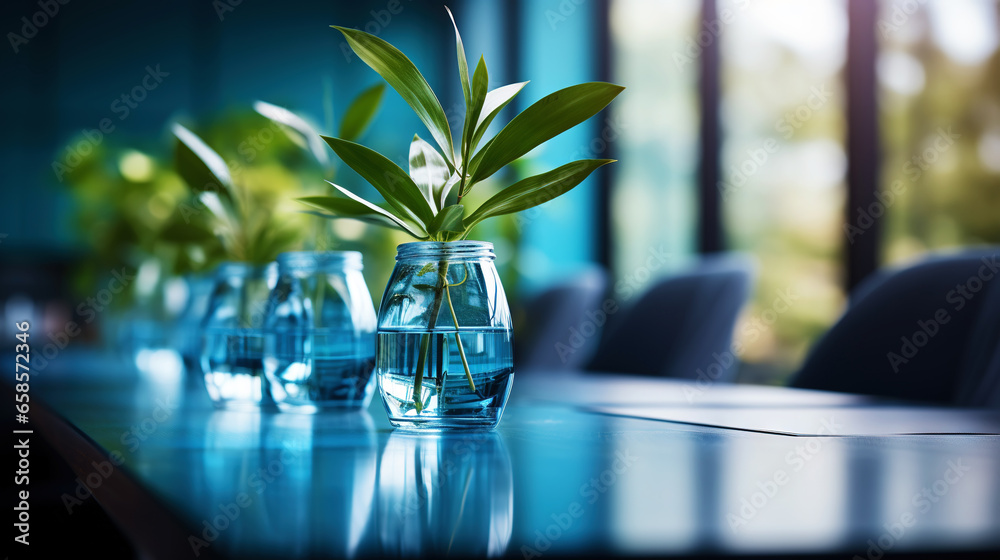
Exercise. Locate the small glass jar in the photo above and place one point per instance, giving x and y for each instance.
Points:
(188, 334)
(158, 301)
(444, 352)
(320, 344)
(232, 352)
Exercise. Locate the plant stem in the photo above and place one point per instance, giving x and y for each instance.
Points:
(442, 285)
(425, 339)
(458, 339)
(461, 508)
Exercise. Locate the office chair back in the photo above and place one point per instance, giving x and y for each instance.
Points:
(928, 332)
(682, 326)
(550, 337)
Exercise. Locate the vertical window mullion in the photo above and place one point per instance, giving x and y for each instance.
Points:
(863, 148)
(710, 138)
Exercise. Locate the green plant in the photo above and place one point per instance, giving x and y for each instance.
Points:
(128, 211)
(357, 117)
(300, 131)
(241, 211)
(426, 201)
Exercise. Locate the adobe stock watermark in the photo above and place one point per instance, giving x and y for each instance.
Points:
(35, 22)
(87, 310)
(913, 169)
(921, 503)
(122, 107)
(132, 439)
(381, 18)
(926, 329)
(900, 16)
(795, 460)
(594, 319)
(223, 7)
(707, 34)
(562, 13)
(758, 155)
(254, 485)
(591, 491)
(751, 331)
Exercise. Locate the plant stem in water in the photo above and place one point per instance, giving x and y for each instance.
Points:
(458, 339)
(425, 339)
(442, 285)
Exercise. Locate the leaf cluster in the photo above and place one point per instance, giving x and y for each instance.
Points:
(425, 200)
(240, 211)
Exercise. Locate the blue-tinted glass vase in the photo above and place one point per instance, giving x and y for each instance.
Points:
(232, 351)
(444, 352)
(320, 342)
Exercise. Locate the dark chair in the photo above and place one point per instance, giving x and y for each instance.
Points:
(979, 383)
(929, 332)
(546, 340)
(682, 325)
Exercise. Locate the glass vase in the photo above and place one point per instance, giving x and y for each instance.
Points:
(232, 352)
(444, 351)
(158, 301)
(320, 341)
(188, 333)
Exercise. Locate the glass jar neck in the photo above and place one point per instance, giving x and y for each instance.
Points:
(445, 251)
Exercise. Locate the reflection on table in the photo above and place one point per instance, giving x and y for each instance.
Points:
(445, 494)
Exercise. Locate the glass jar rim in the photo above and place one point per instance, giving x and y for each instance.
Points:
(451, 250)
(322, 260)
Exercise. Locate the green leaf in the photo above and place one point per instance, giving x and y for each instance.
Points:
(426, 268)
(360, 209)
(388, 179)
(214, 203)
(360, 112)
(480, 85)
(295, 127)
(428, 170)
(495, 101)
(446, 189)
(200, 166)
(336, 207)
(271, 240)
(182, 229)
(536, 190)
(463, 64)
(548, 117)
(373, 219)
(404, 77)
(448, 219)
(226, 226)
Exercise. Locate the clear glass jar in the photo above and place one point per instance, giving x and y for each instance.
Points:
(320, 342)
(158, 301)
(444, 353)
(232, 352)
(188, 334)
